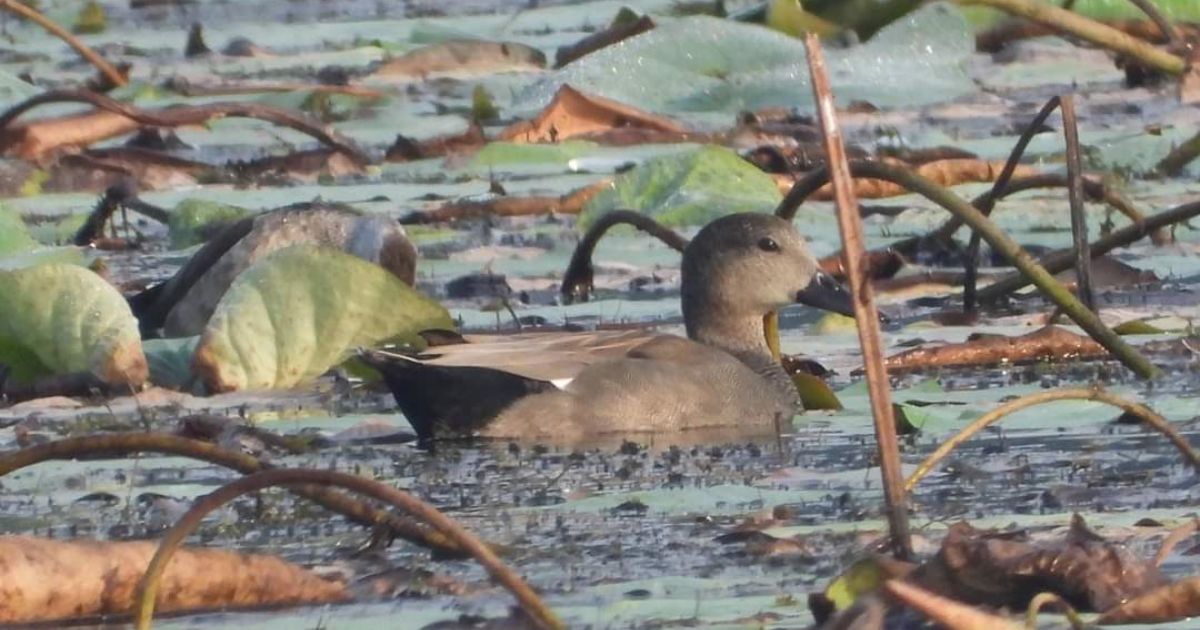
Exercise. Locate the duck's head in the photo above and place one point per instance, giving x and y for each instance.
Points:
(744, 266)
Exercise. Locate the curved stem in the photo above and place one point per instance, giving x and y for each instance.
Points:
(1143, 412)
(1002, 243)
(1170, 33)
(144, 601)
(577, 279)
(1089, 30)
(164, 443)
(105, 68)
(1041, 600)
(193, 115)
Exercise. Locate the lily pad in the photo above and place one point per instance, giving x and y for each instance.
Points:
(691, 188)
(704, 64)
(14, 235)
(61, 319)
(300, 311)
(194, 221)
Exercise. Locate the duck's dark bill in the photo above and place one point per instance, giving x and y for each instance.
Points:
(828, 294)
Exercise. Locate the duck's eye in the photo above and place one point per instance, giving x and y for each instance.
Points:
(768, 244)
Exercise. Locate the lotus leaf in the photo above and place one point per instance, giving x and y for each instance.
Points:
(704, 64)
(300, 311)
(14, 235)
(60, 319)
(690, 188)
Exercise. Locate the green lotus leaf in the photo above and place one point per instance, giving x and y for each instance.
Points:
(14, 235)
(61, 319)
(690, 188)
(300, 311)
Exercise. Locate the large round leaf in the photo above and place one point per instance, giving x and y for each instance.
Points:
(299, 311)
(59, 319)
(691, 188)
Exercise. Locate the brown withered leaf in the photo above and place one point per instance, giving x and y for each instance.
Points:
(572, 113)
(1048, 343)
(404, 149)
(944, 173)
(1172, 602)
(570, 203)
(1086, 570)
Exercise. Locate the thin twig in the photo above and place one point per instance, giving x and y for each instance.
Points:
(1061, 260)
(1179, 157)
(1172, 35)
(987, 201)
(1079, 231)
(866, 314)
(144, 601)
(1089, 30)
(1028, 268)
(1142, 412)
(105, 68)
(165, 443)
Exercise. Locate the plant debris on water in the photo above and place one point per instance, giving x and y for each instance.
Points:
(207, 209)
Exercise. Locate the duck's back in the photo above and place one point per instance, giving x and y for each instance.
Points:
(666, 384)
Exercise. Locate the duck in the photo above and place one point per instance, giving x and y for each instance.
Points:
(722, 376)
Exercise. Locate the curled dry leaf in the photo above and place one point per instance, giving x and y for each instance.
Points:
(995, 569)
(48, 580)
(1044, 344)
(572, 113)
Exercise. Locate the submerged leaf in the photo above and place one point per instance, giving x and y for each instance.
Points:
(691, 188)
(299, 312)
(61, 319)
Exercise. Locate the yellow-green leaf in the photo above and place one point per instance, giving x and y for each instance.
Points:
(300, 311)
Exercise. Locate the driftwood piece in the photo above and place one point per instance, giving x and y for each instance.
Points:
(48, 580)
